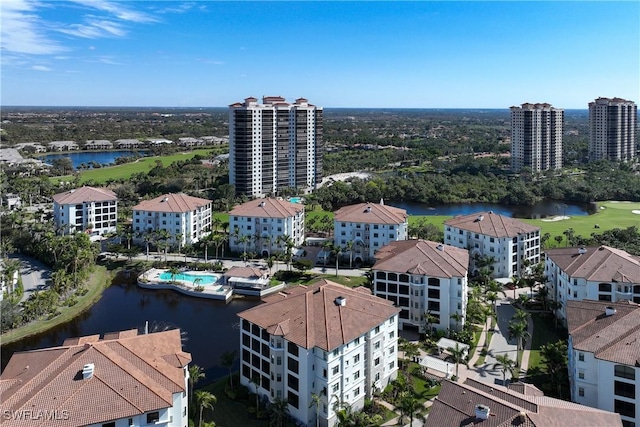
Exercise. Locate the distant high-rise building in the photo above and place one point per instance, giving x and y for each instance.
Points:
(274, 145)
(612, 129)
(536, 137)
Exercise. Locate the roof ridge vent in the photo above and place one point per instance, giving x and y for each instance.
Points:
(479, 218)
(610, 311)
(341, 301)
(262, 204)
(582, 250)
(440, 247)
(165, 199)
(87, 371)
(368, 209)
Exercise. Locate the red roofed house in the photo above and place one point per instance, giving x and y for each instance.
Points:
(604, 356)
(186, 218)
(487, 234)
(124, 379)
(86, 209)
(420, 276)
(370, 226)
(326, 339)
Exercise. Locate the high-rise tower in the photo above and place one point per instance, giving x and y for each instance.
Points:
(274, 145)
(612, 129)
(536, 137)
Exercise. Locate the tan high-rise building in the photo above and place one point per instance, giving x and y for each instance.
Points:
(274, 145)
(536, 137)
(612, 129)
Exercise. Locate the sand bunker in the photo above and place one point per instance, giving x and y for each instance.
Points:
(635, 211)
(556, 218)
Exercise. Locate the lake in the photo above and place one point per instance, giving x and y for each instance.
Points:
(104, 158)
(541, 209)
(210, 327)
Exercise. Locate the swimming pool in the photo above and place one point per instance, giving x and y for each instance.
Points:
(206, 279)
(296, 199)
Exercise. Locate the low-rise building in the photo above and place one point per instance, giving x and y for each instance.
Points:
(86, 209)
(129, 143)
(261, 225)
(370, 226)
(599, 273)
(63, 146)
(491, 405)
(511, 243)
(185, 219)
(98, 144)
(31, 146)
(423, 277)
(604, 357)
(11, 201)
(325, 339)
(124, 379)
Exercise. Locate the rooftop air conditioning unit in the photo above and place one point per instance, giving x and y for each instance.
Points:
(482, 412)
(87, 371)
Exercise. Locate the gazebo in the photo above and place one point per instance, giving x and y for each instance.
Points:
(445, 343)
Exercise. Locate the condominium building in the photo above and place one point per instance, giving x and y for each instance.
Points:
(536, 137)
(335, 342)
(370, 226)
(262, 225)
(422, 277)
(509, 242)
(185, 219)
(86, 209)
(124, 379)
(594, 273)
(604, 357)
(274, 145)
(612, 129)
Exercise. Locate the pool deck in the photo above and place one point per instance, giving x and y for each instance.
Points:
(150, 279)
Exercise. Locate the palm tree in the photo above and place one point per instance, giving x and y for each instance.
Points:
(205, 400)
(518, 330)
(197, 281)
(337, 251)
(270, 262)
(492, 297)
(326, 247)
(554, 356)
(349, 247)
(316, 400)
(410, 406)
(457, 317)
(278, 412)
(428, 320)
(458, 355)
(174, 271)
(228, 357)
(218, 240)
(411, 351)
(506, 364)
(520, 316)
(244, 240)
(257, 382)
(196, 373)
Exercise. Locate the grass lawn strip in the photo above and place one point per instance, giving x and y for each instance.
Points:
(227, 412)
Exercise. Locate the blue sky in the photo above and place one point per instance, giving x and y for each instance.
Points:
(337, 54)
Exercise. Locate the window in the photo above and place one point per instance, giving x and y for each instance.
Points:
(111, 424)
(623, 371)
(392, 365)
(581, 357)
(392, 334)
(604, 287)
(376, 362)
(356, 358)
(376, 345)
(153, 417)
(625, 409)
(279, 360)
(628, 423)
(377, 330)
(581, 391)
(324, 373)
(581, 375)
(624, 389)
(335, 387)
(356, 375)
(377, 377)
(335, 370)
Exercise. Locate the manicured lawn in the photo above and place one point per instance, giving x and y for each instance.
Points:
(125, 171)
(227, 412)
(544, 332)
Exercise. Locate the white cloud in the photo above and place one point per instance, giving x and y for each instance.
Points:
(210, 61)
(117, 10)
(180, 8)
(22, 31)
(94, 29)
(40, 68)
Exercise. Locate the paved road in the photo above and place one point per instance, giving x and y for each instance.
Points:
(35, 275)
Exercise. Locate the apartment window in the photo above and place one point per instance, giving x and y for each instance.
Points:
(626, 409)
(376, 345)
(335, 387)
(392, 334)
(279, 360)
(356, 375)
(356, 392)
(581, 375)
(604, 287)
(356, 358)
(377, 330)
(335, 370)
(623, 371)
(153, 417)
(624, 389)
(628, 423)
(581, 391)
(377, 377)
(392, 365)
(111, 424)
(376, 362)
(336, 352)
(324, 373)
(581, 357)
(357, 341)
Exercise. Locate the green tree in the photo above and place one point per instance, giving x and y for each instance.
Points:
(554, 357)
(227, 358)
(506, 364)
(518, 330)
(458, 355)
(278, 412)
(205, 400)
(316, 401)
(196, 373)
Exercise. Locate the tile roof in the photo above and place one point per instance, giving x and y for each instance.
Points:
(246, 272)
(133, 374)
(615, 338)
(178, 203)
(491, 224)
(310, 317)
(267, 208)
(423, 257)
(371, 213)
(84, 194)
(456, 403)
(597, 264)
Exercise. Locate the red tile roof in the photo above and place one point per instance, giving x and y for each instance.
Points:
(310, 316)
(491, 224)
(267, 208)
(371, 213)
(615, 338)
(132, 375)
(176, 203)
(424, 258)
(84, 194)
(597, 264)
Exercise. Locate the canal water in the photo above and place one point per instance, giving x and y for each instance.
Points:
(210, 327)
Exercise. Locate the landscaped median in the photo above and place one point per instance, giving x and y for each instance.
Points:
(99, 280)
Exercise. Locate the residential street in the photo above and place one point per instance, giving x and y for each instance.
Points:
(34, 275)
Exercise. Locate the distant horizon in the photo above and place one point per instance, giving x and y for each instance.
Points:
(345, 54)
(226, 107)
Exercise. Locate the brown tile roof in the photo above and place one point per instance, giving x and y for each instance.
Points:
(423, 257)
(371, 213)
(246, 272)
(492, 224)
(601, 264)
(177, 203)
(267, 208)
(456, 403)
(615, 338)
(133, 375)
(84, 194)
(310, 317)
